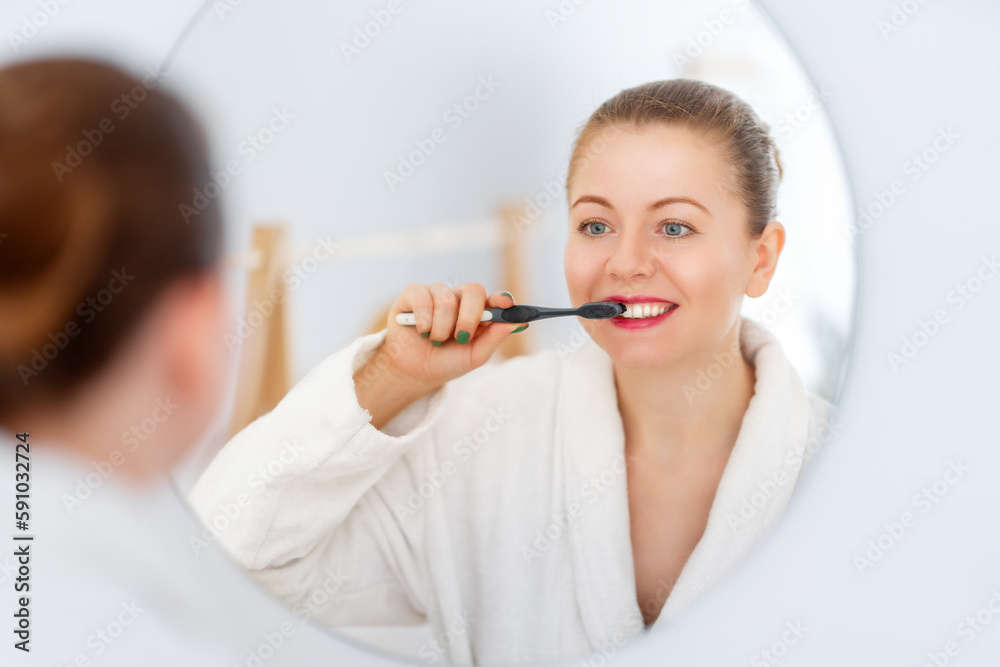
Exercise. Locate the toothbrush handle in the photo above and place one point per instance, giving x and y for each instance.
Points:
(545, 313)
(409, 320)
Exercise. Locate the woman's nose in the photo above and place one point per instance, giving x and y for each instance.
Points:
(631, 256)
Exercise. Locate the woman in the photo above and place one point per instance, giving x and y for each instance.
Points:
(551, 505)
(112, 364)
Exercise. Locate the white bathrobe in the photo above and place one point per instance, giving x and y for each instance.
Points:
(114, 580)
(495, 508)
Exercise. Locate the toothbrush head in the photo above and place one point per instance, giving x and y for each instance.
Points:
(600, 310)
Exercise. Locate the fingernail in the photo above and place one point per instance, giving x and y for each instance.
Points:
(426, 334)
(462, 337)
(508, 294)
(436, 342)
(521, 328)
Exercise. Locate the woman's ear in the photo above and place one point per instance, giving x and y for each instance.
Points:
(195, 357)
(766, 248)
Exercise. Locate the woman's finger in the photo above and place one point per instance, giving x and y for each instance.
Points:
(445, 311)
(472, 297)
(416, 299)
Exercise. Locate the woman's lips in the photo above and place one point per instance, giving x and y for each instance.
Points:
(642, 305)
(643, 322)
(638, 298)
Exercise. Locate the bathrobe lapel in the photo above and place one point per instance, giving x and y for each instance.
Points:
(760, 475)
(591, 443)
(750, 497)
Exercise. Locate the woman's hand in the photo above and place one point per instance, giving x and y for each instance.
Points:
(448, 341)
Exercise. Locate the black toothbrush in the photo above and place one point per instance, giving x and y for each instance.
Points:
(597, 310)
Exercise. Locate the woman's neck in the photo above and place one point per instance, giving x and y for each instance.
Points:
(694, 406)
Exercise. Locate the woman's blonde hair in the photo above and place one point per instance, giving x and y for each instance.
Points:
(714, 111)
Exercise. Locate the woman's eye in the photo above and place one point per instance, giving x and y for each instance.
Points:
(596, 228)
(675, 228)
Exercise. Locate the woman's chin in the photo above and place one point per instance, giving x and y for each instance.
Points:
(637, 355)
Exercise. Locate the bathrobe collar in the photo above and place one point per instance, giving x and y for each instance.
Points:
(591, 438)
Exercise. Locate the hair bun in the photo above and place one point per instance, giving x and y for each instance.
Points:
(54, 235)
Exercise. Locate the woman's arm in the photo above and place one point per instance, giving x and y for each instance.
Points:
(303, 497)
(383, 393)
(323, 481)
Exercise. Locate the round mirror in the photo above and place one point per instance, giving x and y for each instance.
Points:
(362, 149)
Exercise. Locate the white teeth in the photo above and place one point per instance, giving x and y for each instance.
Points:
(642, 311)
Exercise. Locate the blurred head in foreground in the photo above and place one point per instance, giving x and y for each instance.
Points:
(111, 300)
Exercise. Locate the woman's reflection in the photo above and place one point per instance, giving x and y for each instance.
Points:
(552, 505)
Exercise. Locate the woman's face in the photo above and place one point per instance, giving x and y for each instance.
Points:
(651, 220)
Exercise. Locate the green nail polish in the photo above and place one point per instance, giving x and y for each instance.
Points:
(521, 328)
(435, 342)
(426, 334)
(508, 294)
(463, 337)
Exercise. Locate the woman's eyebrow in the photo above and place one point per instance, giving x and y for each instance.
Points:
(677, 200)
(594, 199)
